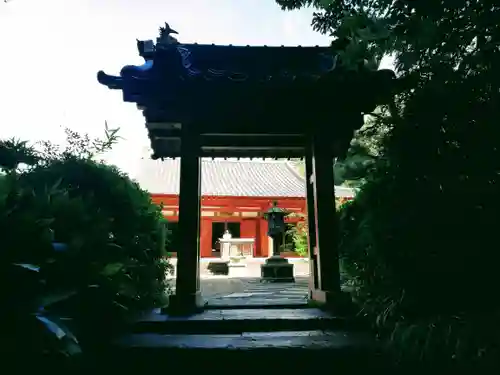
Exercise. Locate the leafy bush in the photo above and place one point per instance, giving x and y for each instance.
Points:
(424, 269)
(27, 325)
(300, 242)
(112, 229)
(299, 236)
(114, 262)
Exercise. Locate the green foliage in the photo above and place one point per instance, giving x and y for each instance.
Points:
(110, 221)
(418, 241)
(364, 152)
(80, 146)
(113, 263)
(14, 153)
(298, 233)
(300, 242)
(27, 324)
(422, 274)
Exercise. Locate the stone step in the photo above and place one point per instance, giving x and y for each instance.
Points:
(262, 352)
(309, 340)
(237, 321)
(239, 304)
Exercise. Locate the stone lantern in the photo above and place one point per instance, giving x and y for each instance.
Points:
(276, 268)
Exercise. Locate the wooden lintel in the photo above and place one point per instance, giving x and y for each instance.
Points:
(286, 153)
(242, 204)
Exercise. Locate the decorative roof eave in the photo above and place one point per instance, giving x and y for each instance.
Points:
(181, 62)
(278, 70)
(194, 63)
(133, 77)
(112, 82)
(131, 80)
(137, 71)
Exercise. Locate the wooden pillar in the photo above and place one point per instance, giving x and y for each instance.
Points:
(247, 228)
(311, 220)
(258, 239)
(206, 238)
(264, 239)
(326, 221)
(187, 298)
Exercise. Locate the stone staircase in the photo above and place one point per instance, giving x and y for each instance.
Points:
(241, 340)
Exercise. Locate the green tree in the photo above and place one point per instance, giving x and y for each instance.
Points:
(364, 152)
(419, 235)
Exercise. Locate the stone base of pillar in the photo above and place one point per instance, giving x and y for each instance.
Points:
(339, 303)
(277, 269)
(185, 304)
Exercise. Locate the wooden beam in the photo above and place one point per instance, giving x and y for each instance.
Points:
(262, 202)
(235, 122)
(252, 141)
(165, 151)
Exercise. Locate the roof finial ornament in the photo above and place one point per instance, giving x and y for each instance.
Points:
(165, 38)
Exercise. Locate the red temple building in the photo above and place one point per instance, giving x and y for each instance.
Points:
(235, 195)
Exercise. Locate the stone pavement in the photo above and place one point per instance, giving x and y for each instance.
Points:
(256, 293)
(242, 287)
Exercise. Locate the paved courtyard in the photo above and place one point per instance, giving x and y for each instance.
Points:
(242, 287)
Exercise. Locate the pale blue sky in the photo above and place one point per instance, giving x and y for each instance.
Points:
(52, 50)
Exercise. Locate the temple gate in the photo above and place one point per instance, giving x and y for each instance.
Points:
(250, 101)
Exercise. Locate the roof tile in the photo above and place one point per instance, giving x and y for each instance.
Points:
(238, 178)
